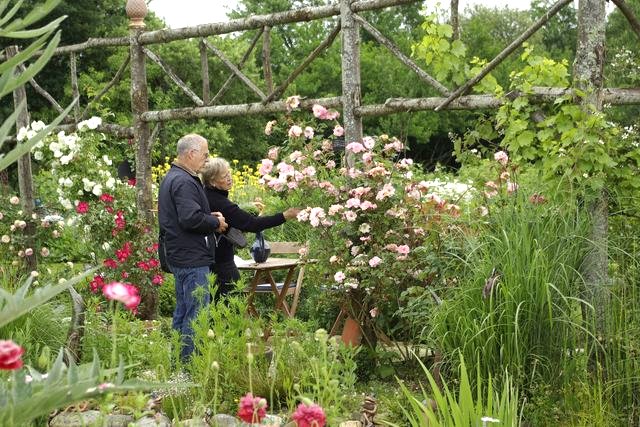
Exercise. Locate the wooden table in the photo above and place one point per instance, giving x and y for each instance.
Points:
(262, 274)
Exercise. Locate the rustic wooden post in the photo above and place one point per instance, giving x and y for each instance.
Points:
(136, 11)
(588, 76)
(266, 58)
(25, 177)
(204, 65)
(350, 75)
(75, 90)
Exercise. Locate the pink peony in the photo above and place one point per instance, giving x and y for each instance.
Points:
(123, 292)
(309, 416)
(252, 409)
(10, 354)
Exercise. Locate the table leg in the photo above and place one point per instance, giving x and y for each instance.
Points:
(281, 303)
(252, 291)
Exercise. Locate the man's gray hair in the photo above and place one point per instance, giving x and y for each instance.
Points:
(188, 142)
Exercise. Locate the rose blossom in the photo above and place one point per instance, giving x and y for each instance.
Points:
(355, 147)
(292, 102)
(309, 416)
(501, 157)
(512, 187)
(308, 132)
(368, 142)
(269, 127)
(10, 354)
(375, 261)
(14, 200)
(319, 111)
(339, 276)
(82, 207)
(338, 130)
(403, 249)
(266, 166)
(295, 131)
(273, 153)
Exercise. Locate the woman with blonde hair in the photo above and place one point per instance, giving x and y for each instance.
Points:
(218, 180)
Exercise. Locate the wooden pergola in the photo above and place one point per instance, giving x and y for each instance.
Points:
(588, 68)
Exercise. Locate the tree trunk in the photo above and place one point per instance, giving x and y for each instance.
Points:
(455, 20)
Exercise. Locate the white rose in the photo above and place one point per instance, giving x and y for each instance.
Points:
(22, 134)
(107, 161)
(66, 203)
(111, 182)
(68, 182)
(38, 125)
(94, 122)
(57, 154)
(97, 190)
(31, 134)
(5, 239)
(106, 246)
(66, 159)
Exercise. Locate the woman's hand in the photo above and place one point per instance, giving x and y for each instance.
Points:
(291, 213)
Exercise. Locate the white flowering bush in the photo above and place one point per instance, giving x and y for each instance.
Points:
(71, 165)
(16, 246)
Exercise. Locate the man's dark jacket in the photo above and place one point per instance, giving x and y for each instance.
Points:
(186, 223)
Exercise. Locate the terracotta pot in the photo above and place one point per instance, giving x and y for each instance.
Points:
(351, 332)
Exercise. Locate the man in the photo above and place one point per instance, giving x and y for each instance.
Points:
(186, 227)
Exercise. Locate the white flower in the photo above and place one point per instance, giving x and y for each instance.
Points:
(14, 200)
(107, 161)
(106, 246)
(22, 134)
(38, 125)
(92, 123)
(111, 182)
(57, 154)
(97, 190)
(68, 182)
(66, 159)
(66, 203)
(5, 239)
(31, 134)
(38, 155)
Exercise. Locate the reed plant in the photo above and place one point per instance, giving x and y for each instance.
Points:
(513, 303)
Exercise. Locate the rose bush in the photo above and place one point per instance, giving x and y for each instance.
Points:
(374, 223)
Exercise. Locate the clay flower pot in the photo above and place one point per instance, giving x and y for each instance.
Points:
(351, 332)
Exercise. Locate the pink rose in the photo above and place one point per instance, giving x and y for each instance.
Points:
(269, 127)
(375, 261)
(355, 147)
(273, 153)
(292, 102)
(266, 166)
(338, 130)
(319, 111)
(308, 132)
(295, 131)
(10, 355)
(82, 207)
(512, 187)
(403, 250)
(339, 277)
(501, 157)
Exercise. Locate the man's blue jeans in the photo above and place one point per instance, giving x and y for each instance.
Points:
(187, 304)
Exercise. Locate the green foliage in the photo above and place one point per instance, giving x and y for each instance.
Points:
(446, 408)
(24, 399)
(235, 357)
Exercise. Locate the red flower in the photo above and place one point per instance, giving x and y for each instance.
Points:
(124, 275)
(107, 198)
(157, 279)
(143, 266)
(108, 209)
(252, 409)
(309, 416)
(110, 263)
(97, 283)
(10, 354)
(153, 263)
(82, 208)
(132, 182)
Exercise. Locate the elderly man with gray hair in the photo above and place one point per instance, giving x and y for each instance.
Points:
(186, 234)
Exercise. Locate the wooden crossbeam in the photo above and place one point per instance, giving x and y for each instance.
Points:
(42, 92)
(173, 76)
(235, 70)
(402, 57)
(308, 60)
(506, 52)
(116, 78)
(246, 55)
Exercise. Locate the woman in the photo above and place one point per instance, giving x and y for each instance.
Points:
(217, 178)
